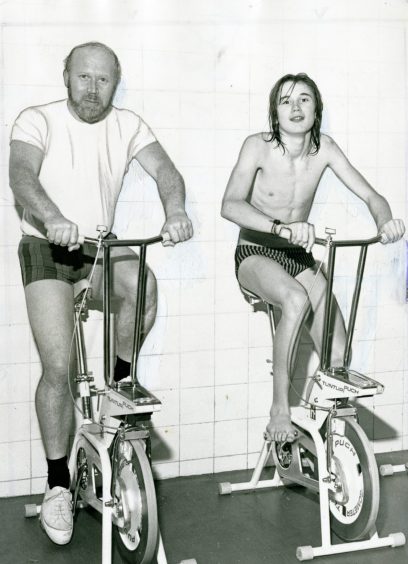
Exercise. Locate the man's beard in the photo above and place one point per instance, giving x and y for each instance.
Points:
(89, 108)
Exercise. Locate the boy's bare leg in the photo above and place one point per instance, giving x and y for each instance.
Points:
(316, 285)
(50, 311)
(125, 268)
(272, 283)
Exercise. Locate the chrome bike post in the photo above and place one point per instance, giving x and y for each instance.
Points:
(325, 356)
(354, 305)
(107, 322)
(140, 299)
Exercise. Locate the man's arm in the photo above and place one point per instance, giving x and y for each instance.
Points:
(234, 204)
(24, 168)
(170, 184)
(392, 229)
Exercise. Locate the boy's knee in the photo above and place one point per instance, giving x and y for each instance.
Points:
(296, 303)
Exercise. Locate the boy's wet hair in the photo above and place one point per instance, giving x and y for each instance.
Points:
(274, 98)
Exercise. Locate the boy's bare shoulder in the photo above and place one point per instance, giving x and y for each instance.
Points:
(256, 143)
(327, 143)
(328, 146)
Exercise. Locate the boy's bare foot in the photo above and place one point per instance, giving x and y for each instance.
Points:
(280, 428)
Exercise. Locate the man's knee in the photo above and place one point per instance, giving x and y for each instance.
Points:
(57, 375)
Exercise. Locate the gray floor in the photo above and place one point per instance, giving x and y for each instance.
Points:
(197, 523)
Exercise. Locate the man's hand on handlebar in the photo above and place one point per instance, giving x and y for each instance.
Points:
(392, 231)
(178, 227)
(299, 233)
(61, 231)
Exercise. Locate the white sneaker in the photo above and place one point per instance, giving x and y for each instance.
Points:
(56, 516)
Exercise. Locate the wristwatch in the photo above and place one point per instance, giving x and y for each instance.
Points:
(275, 222)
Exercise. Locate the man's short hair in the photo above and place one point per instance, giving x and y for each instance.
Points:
(274, 97)
(94, 44)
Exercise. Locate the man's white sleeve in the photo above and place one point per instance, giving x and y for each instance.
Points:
(30, 127)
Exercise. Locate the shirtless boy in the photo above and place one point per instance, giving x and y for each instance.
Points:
(272, 187)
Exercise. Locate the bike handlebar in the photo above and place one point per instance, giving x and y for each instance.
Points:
(286, 233)
(124, 242)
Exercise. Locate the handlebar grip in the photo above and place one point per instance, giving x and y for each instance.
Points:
(81, 239)
(285, 233)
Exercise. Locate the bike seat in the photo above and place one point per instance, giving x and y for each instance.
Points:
(80, 286)
(250, 296)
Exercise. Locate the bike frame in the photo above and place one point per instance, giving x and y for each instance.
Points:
(326, 404)
(97, 435)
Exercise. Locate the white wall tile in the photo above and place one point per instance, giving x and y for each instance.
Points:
(196, 405)
(10, 453)
(15, 488)
(388, 421)
(170, 411)
(196, 441)
(38, 461)
(38, 485)
(231, 330)
(256, 429)
(231, 402)
(230, 437)
(197, 369)
(388, 445)
(197, 333)
(197, 296)
(390, 354)
(199, 68)
(161, 109)
(11, 275)
(259, 399)
(228, 296)
(259, 330)
(166, 470)
(231, 366)
(195, 467)
(14, 383)
(260, 364)
(159, 372)
(165, 444)
(197, 110)
(232, 73)
(14, 422)
(231, 111)
(229, 463)
(14, 343)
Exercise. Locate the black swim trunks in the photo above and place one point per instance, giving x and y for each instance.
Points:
(41, 260)
(293, 258)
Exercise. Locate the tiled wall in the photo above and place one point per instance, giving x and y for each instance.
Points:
(200, 73)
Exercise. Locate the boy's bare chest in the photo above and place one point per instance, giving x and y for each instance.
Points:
(288, 179)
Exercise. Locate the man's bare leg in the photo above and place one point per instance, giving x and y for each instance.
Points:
(125, 268)
(50, 310)
(271, 282)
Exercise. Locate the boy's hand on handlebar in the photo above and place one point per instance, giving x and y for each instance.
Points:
(61, 231)
(301, 233)
(392, 231)
(178, 227)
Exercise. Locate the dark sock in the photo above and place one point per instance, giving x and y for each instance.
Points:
(58, 473)
(122, 369)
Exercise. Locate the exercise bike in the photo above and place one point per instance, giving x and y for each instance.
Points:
(110, 460)
(331, 454)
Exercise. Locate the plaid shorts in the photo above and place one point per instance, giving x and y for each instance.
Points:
(41, 260)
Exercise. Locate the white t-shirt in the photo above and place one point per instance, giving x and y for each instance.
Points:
(84, 164)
